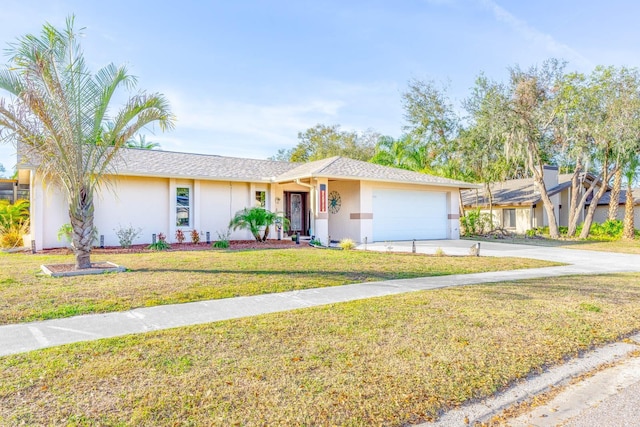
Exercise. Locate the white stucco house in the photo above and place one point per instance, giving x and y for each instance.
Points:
(331, 199)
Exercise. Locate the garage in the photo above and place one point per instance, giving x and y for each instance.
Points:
(409, 214)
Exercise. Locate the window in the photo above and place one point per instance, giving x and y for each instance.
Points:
(261, 199)
(509, 218)
(183, 207)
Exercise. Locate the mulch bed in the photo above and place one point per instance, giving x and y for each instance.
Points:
(234, 245)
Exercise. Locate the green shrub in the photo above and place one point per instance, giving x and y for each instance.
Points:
(14, 223)
(223, 239)
(475, 222)
(161, 244)
(315, 242)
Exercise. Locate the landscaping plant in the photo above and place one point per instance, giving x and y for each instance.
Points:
(195, 236)
(258, 221)
(127, 235)
(347, 244)
(14, 222)
(223, 240)
(180, 236)
(161, 244)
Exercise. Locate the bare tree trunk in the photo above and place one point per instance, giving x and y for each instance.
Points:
(81, 217)
(460, 204)
(549, 208)
(628, 232)
(588, 219)
(614, 201)
(574, 208)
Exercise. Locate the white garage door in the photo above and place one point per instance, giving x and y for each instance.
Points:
(406, 215)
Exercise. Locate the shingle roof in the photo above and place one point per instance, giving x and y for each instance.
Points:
(513, 192)
(604, 200)
(159, 163)
(345, 168)
(203, 166)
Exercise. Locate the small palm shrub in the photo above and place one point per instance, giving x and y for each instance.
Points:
(258, 221)
(14, 223)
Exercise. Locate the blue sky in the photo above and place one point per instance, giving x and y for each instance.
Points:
(244, 77)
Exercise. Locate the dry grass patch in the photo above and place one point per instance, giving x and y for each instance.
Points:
(383, 361)
(620, 246)
(177, 277)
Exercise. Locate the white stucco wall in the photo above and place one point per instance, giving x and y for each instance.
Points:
(137, 201)
(602, 213)
(341, 225)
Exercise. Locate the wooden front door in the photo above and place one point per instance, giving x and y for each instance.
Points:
(296, 212)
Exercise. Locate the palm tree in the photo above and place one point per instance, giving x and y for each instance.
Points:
(142, 143)
(257, 220)
(59, 115)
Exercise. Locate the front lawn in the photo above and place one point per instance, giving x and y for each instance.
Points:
(176, 277)
(381, 361)
(620, 246)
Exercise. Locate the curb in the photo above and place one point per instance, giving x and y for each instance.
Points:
(558, 375)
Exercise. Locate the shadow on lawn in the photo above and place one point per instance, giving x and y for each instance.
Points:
(356, 275)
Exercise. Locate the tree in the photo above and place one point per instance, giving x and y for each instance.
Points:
(482, 142)
(322, 141)
(398, 153)
(142, 143)
(631, 172)
(257, 220)
(616, 128)
(530, 113)
(2, 170)
(59, 115)
(578, 110)
(433, 126)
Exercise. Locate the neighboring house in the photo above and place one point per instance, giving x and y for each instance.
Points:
(331, 199)
(10, 190)
(602, 210)
(516, 203)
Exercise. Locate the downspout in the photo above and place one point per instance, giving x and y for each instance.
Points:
(312, 195)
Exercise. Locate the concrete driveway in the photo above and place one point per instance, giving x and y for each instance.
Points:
(581, 261)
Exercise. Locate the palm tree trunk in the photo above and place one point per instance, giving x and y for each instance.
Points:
(81, 217)
(614, 201)
(628, 232)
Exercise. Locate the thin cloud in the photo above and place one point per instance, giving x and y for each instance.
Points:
(554, 47)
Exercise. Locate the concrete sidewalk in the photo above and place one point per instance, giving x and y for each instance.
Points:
(25, 337)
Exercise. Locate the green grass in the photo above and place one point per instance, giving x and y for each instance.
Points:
(383, 361)
(176, 277)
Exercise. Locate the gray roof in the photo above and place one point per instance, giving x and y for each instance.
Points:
(604, 200)
(159, 163)
(513, 192)
(345, 168)
(156, 163)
